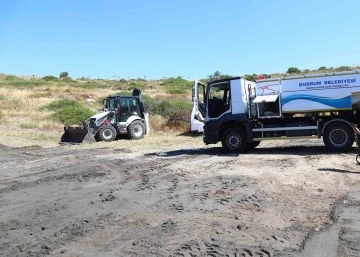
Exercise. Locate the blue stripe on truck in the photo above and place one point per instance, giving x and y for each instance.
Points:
(344, 102)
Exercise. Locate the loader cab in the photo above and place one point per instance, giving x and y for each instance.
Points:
(124, 107)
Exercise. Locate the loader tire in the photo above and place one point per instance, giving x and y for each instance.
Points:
(107, 133)
(338, 137)
(234, 140)
(136, 130)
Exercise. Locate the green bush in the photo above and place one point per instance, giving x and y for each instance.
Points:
(11, 77)
(2, 97)
(250, 77)
(343, 68)
(60, 104)
(133, 85)
(73, 115)
(174, 91)
(90, 84)
(67, 79)
(177, 85)
(64, 74)
(1, 115)
(20, 83)
(293, 70)
(50, 78)
(173, 110)
(322, 68)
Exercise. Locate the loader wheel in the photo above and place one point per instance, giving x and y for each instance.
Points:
(234, 140)
(338, 136)
(136, 130)
(107, 133)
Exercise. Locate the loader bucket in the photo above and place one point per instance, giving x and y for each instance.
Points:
(76, 135)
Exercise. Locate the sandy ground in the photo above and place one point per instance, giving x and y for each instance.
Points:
(152, 199)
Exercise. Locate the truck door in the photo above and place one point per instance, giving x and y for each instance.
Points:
(198, 112)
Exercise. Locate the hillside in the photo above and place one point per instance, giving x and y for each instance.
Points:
(30, 106)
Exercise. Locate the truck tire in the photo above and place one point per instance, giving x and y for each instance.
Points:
(253, 145)
(136, 130)
(107, 133)
(234, 140)
(338, 136)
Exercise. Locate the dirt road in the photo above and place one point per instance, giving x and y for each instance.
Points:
(273, 201)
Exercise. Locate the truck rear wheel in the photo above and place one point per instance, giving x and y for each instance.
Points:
(107, 133)
(234, 140)
(338, 136)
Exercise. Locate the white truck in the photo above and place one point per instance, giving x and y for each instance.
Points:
(241, 113)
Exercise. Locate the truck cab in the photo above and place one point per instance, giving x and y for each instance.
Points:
(225, 112)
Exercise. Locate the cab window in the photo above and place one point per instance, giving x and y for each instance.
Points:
(219, 99)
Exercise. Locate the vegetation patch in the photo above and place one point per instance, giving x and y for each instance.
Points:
(176, 112)
(177, 85)
(28, 125)
(50, 78)
(72, 115)
(60, 104)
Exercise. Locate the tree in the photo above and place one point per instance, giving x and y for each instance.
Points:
(64, 74)
(250, 77)
(292, 70)
(218, 75)
(322, 68)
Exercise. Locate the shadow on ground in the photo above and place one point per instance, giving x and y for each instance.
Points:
(219, 151)
(339, 170)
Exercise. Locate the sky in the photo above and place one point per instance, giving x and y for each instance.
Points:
(188, 38)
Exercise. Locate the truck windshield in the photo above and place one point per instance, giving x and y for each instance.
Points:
(218, 99)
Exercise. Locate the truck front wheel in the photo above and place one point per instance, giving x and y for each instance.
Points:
(234, 140)
(338, 136)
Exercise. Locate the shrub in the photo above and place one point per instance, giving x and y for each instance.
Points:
(322, 68)
(176, 112)
(292, 70)
(11, 77)
(173, 91)
(60, 104)
(90, 84)
(133, 85)
(2, 97)
(68, 79)
(64, 74)
(343, 68)
(1, 115)
(250, 77)
(177, 85)
(50, 78)
(73, 115)
(20, 83)
(306, 70)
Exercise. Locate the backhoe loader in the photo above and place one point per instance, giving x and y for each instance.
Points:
(122, 115)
